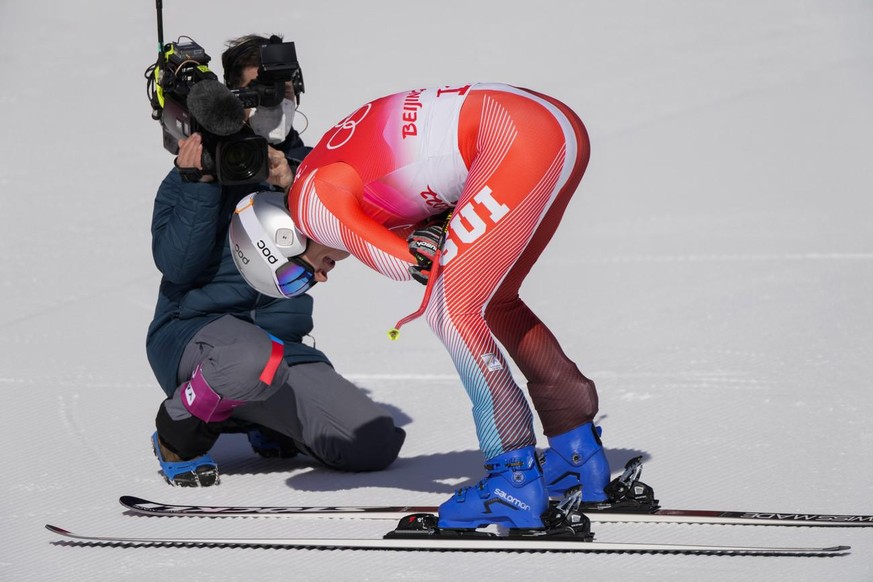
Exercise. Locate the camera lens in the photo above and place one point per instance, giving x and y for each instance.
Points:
(243, 160)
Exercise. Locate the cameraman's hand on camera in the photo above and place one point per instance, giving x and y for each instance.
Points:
(189, 160)
(281, 174)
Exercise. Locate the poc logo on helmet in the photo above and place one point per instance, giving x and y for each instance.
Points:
(266, 252)
(242, 257)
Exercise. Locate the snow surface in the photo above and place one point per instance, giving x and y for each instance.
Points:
(713, 275)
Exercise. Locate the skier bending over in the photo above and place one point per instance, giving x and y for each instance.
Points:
(505, 161)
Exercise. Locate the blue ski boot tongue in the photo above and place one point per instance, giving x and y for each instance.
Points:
(511, 495)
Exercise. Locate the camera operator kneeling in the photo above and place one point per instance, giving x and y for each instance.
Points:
(229, 358)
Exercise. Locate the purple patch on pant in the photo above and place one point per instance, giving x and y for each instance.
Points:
(203, 402)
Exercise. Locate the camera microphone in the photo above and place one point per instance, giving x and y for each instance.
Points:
(217, 109)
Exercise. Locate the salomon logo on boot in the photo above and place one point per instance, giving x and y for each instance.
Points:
(512, 500)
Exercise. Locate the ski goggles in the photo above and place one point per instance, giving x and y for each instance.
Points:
(294, 277)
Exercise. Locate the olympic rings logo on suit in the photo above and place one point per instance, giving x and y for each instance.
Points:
(345, 129)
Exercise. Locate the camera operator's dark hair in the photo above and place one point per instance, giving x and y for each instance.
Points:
(241, 53)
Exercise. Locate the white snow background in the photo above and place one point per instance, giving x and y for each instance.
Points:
(712, 275)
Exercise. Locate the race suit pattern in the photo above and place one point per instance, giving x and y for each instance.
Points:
(506, 161)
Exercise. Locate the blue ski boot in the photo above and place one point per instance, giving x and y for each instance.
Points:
(511, 495)
(576, 458)
(200, 471)
(271, 444)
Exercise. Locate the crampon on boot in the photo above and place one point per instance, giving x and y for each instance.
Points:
(576, 459)
(511, 495)
(200, 471)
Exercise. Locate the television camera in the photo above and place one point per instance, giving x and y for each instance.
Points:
(187, 97)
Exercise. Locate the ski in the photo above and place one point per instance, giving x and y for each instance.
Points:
(631, 501)
(491, 544)
(597, 515)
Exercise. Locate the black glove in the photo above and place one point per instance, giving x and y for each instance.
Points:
(188, 174)
(424, 244)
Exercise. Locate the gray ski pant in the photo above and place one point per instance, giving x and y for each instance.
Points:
(325, 415)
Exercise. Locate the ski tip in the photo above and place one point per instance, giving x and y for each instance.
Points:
(57, 530)
(131, 500)
(838, 549)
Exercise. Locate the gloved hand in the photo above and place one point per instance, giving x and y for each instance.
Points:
(424, 244)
